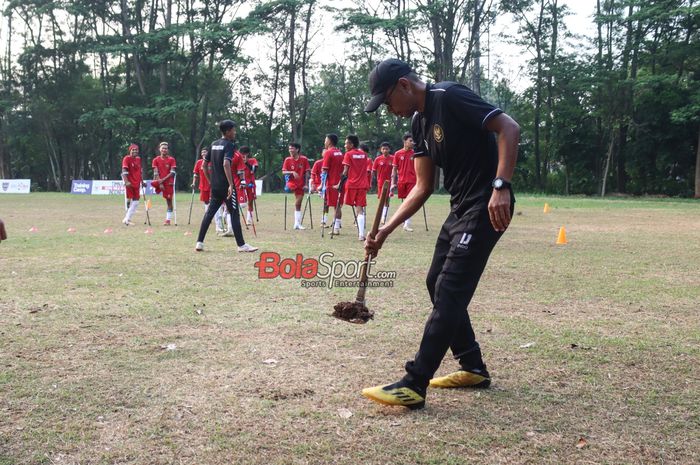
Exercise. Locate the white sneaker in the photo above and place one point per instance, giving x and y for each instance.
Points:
(298, 226)
(363, 238)
(247, 248)
(226, 234)
(407, 229)
(336, 231)
(127, 222)
(199, 247)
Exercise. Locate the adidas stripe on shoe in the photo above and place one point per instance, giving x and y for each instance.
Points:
(395, 394)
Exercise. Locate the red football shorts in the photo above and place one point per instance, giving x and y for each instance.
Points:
(249, 193)
(332, 197)
(379, 188)
(405, 188)
(205, 196)
(356, 197)
(167, 191)
(133, 192)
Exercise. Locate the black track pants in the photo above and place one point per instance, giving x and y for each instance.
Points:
(217, 198)
(461, 252)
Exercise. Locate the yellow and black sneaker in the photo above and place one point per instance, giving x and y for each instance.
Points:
(473, 378)
(396, 394)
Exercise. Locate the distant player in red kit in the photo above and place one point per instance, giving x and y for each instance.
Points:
(330, 179)
(382, 168)
(355, 171)
(405, 172)
(238, 176)
(365, 148)
(164, 178)
(250, 166)
(315, 181)
(296, 170)
(204, 186)
(131, 175)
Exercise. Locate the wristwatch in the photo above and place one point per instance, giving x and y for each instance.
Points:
(500, 183)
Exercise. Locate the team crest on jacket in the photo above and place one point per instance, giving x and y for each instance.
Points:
(438, 134)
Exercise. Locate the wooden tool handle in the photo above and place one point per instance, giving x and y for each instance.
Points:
(373, 232)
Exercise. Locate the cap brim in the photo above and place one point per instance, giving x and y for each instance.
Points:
(375, 102)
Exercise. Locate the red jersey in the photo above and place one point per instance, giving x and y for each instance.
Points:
(133, 166)
(382, 166)
(403, 160)
(316, 173)
(199, 171)
(236, 166)
(249, 175)
(299, 166)
(333, 162)
(357, 174)
(165, 165)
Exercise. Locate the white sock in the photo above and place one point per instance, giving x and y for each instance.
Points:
(250, 216)
(169, 215)
(132, 209)
(407, 223)
(217, 218)
(385, 210)
(325, 218)
(337, 224)
(297, 218)
(361, 224)
(206, 207)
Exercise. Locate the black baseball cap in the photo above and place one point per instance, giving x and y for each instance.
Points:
(382, 77)
(226, 124)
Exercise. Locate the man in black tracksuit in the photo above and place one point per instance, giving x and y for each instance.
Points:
(223, 189)
(454, 129)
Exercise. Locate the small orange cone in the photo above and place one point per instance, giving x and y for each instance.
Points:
(148, 231)
(108, 231)
(71, 230)
(33, 229)
(546, 208)
(561, 239)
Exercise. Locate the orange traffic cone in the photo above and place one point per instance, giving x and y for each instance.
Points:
(546, 208)
(561, 239)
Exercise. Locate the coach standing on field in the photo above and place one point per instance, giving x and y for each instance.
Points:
(223, 189)
(453, 128)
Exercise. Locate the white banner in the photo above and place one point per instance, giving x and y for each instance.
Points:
(15, 186)
(107, 187)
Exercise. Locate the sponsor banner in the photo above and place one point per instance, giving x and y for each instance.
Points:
(107, 188)
(15, 186)
(102, 187)
(81, 187)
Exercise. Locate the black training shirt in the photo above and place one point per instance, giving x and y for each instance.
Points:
(219, 151)
(451, 132)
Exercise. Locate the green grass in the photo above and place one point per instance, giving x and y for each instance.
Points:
(84, 318)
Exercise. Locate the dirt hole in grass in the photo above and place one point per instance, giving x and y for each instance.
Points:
(353, 312)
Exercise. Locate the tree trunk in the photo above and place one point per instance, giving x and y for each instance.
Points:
(608, 160)
(292, 73)
(697, 168)
(166, 46)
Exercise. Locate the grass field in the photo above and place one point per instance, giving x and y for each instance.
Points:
(131, 348)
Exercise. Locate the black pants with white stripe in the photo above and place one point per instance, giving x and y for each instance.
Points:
(217, 198)
(461, 252)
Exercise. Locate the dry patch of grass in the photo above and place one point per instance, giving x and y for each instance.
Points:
(130, 348)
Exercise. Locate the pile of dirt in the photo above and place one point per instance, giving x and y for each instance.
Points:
(353, 312)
